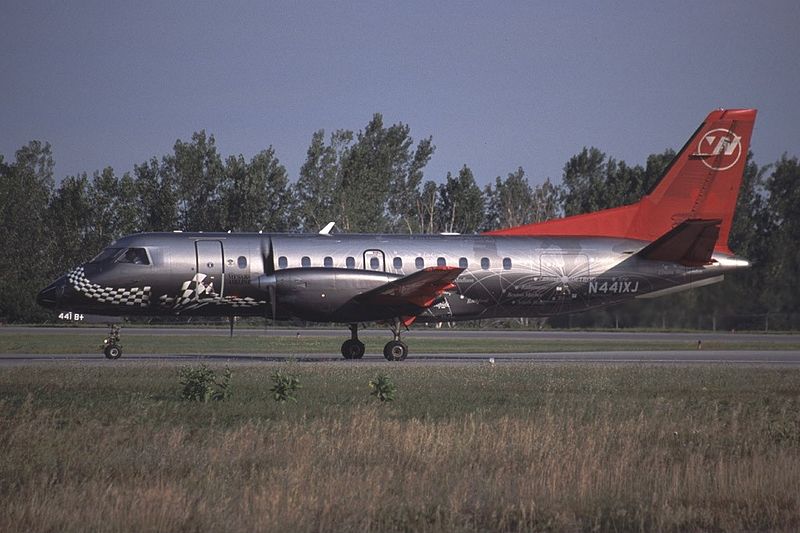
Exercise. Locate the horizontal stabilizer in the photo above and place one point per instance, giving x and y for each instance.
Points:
(690, 243)
(420, 289)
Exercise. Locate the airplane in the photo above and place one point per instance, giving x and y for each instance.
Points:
(673, 239)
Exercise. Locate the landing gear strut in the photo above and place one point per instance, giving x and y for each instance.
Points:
(353, 348)
(395, 350)
(111, 344)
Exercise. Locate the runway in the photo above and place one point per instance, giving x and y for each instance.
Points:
(783, 348)
(788, 358)
(425, 332)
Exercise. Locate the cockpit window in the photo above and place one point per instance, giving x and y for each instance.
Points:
(106, 255)
(135, 256)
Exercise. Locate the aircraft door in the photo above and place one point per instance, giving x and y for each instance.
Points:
(211, 263)
(374, 260)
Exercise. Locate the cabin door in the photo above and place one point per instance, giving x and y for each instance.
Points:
(211, 264)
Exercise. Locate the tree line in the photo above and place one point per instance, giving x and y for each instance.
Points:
(374, 180)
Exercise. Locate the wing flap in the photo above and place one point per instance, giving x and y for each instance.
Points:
(420, 289)
(690, 243)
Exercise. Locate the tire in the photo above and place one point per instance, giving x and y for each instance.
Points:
(112, 351)
(353, 349)
(395, 351)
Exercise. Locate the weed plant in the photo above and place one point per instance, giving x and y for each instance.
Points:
(382, 388)
(200, 384)
(284, 387)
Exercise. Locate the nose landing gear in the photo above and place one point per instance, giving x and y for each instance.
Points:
(112, 347)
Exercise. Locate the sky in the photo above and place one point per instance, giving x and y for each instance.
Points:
(497, 85)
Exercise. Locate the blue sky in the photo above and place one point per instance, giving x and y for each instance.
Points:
(497, 85)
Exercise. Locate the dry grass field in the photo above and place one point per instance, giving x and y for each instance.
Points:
(462, 448)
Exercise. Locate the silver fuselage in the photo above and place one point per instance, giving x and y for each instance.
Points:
(315, 277)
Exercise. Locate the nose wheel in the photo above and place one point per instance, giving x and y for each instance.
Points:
(112, 347)
(353, 348)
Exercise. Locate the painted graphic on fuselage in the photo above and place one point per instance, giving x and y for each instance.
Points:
(134, 296)
(197, 292)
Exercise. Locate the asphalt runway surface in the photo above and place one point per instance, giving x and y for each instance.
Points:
(423, 332)
(733, 357)
(415, 339)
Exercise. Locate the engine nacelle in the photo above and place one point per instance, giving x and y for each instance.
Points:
(321, 294)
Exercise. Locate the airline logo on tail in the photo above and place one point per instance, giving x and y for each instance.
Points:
(720, 149)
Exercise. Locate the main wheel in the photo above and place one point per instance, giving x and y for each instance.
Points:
(112, 351)
(395, 351)
(353, 349)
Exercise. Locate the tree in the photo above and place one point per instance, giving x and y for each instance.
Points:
(127, 216)
(70, 223)
(591, 182)
(783, 254)
(197, 171)
(584, 183)
(513, 202)
(26, 266)
(371, 166)
(460, 208)
(256, 195)
(367, 182)
(158, 197)
(426, 213)
(404, 194)
(319, 184)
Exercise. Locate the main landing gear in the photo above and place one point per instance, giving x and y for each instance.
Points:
(111, 344)
(395, 350)
(353, 348)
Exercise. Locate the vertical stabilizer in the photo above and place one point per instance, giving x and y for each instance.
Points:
(702, 182)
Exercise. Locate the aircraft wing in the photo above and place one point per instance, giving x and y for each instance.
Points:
(690, 243)
(413, 293)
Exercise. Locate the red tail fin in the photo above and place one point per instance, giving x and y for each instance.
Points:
(702, 182)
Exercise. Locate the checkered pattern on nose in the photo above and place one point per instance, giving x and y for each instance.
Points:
(133, 296)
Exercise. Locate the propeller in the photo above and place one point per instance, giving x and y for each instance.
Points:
(268, 280)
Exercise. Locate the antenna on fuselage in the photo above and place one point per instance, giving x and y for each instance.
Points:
(327, 229)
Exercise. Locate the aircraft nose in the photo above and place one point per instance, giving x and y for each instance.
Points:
(51, 295)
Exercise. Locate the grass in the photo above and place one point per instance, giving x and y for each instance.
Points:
(462, 448)
(78, 343)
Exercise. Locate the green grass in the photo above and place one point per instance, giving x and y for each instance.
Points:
(77, 343)
(462, 448)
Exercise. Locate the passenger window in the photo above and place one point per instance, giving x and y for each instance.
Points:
(398, 263)
(283, 262)
(463, 263)
(441, 262)
(485, 263)
(419, 263)
(134, 256)
(506, 263)
(305, 261)
(374, 264)
(350, 262)
(242, 261)
(327, 262)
